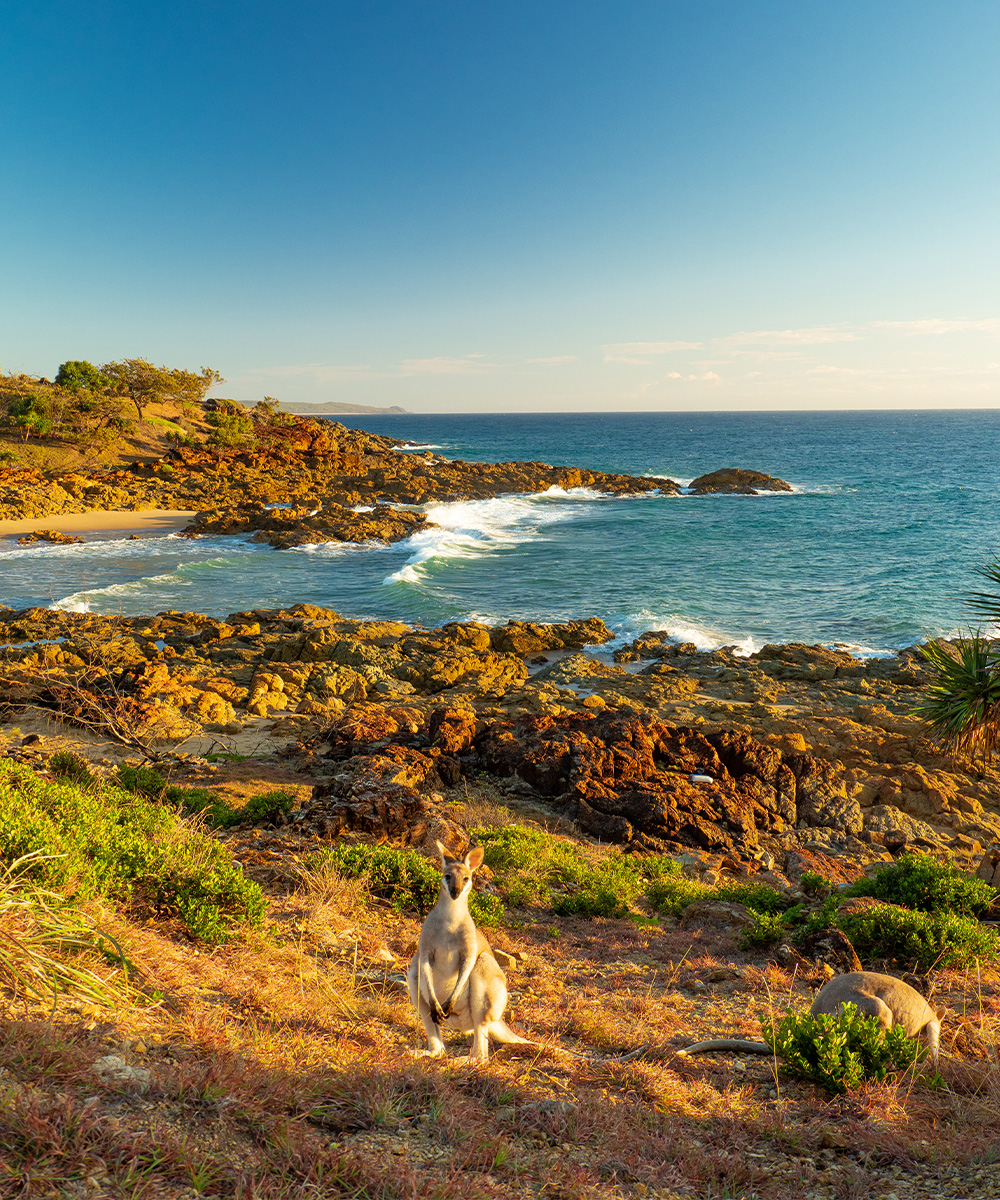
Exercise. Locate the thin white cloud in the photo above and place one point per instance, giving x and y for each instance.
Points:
(443, 365)
(640, 353)
(704, 377)
(814, 335)
(554, 359)
(932, 326)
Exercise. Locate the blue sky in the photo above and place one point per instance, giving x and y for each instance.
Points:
(501, 205)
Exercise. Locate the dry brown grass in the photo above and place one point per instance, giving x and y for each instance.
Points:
(281, 1067)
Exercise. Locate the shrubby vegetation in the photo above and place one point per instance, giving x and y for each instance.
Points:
(928, 918)
(917, 881)
(93, 406)
(105, 841)
(217, 811)
(407, 880)
(840, 1053)
(962, 702)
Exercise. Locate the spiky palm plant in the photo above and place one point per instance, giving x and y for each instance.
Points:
(962, 702)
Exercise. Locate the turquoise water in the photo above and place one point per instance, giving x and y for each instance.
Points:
(873, 550)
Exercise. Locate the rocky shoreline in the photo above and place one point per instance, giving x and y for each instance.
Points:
(307, 482)
(763, 765)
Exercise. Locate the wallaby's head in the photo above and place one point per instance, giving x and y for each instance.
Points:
(456, 873)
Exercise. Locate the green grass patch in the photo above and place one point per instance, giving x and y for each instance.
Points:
(105, 841)
(217, 810)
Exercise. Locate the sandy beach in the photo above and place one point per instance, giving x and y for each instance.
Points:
(152, 520)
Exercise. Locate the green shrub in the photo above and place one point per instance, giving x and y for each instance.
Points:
(71, 767)
(813, 883)
(144, 781)
(107, 841)
(529, 863)
(404, 878)
(607, 890)
(766, 929)
(917, 881)
(758, 897)
(266, 807)
(218, 812)
(918, 940)
(670, 892)
(840, 1052)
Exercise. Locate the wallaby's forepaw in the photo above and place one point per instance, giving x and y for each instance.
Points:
(439, 1014)
(428, 1053)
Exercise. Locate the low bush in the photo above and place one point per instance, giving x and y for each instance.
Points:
(918, 940)
(71, 767)
(216, 810)
(758, 897)
(403, 877)
(606, 890)
(528, 862)
(108, 841)
(916, 881)
(670, 892)
(840, 1053)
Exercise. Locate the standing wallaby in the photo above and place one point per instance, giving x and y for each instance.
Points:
(454, 979)
(891, 1000)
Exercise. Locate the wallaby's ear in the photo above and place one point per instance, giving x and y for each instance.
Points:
(941, 1013)
(442, 850)
(474, 859)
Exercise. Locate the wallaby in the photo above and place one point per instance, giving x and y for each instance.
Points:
(454, 979)
(891, 1000)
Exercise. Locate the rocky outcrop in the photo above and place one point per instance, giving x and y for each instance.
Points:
(51, 536)
(629, 778)
(732, 481)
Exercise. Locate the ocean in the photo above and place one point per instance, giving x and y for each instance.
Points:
(873, 550)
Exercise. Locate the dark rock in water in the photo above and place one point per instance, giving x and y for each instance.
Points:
(732, 481)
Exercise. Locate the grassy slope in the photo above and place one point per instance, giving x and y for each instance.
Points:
(280, 1065)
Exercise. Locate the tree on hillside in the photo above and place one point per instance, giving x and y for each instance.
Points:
(78, 375)
(145, 383)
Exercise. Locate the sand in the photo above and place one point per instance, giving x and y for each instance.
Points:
(146, 523)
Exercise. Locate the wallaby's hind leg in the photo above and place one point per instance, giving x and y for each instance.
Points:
(487, 1000)
(435, 1046)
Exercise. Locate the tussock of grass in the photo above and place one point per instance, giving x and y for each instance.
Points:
(105, 841)
(45, 943)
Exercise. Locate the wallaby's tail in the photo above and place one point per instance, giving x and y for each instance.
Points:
(737, 1044)
(501, 1032)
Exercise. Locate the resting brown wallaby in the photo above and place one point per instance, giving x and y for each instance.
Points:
(454, 979)
(891, 1000)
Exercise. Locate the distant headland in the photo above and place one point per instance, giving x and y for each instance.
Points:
(332, 406)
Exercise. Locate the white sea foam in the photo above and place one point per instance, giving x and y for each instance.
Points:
(472, 528)
(629, 628)
(410, 447)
